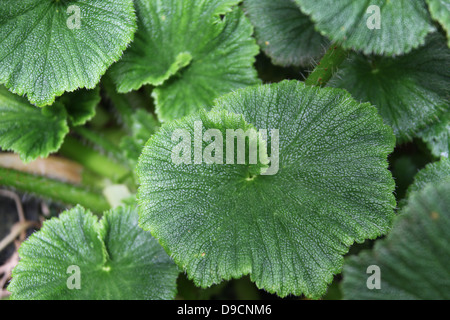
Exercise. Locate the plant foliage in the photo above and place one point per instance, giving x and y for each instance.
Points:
(114, 257)
(332, 189)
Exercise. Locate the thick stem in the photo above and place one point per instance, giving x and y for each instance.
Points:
(56, 190)
(92, 160)
(327, 66)
(100, 141)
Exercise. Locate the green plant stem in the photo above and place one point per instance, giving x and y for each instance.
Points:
(53, 189)
(92, 160)
(327, 66)
(97, 139)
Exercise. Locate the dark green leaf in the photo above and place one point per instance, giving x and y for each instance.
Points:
(80, 105)
(284, 33)
(414, 260)
(409, 91)
(287, 230)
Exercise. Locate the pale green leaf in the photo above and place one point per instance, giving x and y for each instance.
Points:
(409, 91)
(185, 48)
(414, 260)
(28, 130)
(440, 11)
(115, 259)
(49, 47)
(288, 230)
(284, 33)
(404, 24)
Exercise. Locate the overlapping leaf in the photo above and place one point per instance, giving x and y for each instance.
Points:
(114, 258)
(414, 259)
(49, 47)
(437, 136)
(404, 24)
(80, 105)
(190, 52)
(433, 173)
(409, 91)
(287, 230)
(28, 130)
(285, 34)
(440, 11)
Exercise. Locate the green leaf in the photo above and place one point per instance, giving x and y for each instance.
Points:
(284, 33)
(433, 173)
(414, 258)
(288, 230)
(30, 131)
(49, 47)
(404, 24)
(409, 91)
(437, 136)
(440, 11)
(115, 259)
(185, 48)
(80, 105)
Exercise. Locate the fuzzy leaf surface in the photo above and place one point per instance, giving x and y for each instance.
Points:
(288, 230)
(49, 47)
(192, 55)
(116, 260)
(30, 131)
(414, 259)
(410, 91)
(404, 24)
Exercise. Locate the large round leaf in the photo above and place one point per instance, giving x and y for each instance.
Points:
(289, 229)
(114, 259)
(414, 260)
(409, 91)
(185, 48)
(49, 47)
(403, 24)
